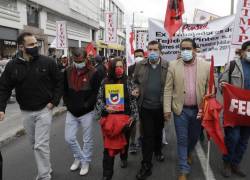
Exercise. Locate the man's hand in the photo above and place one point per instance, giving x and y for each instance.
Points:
(50, 106)
(222, 84)
(2, 116)
(167, 116)
(135, 92)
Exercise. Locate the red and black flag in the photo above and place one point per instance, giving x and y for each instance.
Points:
(173, 17)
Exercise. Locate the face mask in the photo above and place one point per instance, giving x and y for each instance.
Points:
(80, 65)
(153, 56)
(119, 71)
(248, 56)
(138, 59)
(187, 55)
(32, 51)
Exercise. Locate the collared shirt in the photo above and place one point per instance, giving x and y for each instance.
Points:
(190, 83)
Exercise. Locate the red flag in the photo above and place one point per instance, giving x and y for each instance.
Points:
(131, 41)
(211, 114)
(90, 49)
(173, 17)
(236, 106)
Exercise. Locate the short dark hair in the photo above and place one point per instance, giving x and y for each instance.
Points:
(245, 45)
(20, 38)
(79, 52)
(155, 42)
(139, 50)
(194, 45)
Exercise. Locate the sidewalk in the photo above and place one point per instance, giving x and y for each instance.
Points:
(12, 126)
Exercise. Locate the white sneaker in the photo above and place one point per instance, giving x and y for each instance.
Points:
(75, 165)
(84, 169)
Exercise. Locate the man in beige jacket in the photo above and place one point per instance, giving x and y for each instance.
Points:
(185, 86)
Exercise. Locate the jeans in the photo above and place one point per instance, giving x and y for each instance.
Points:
(236, 139)
(37, 126)
(188, 130)
(152, 123)
(72, 125)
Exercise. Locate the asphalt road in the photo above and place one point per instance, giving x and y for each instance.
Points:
(19, 161)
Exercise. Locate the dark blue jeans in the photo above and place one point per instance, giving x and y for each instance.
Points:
(236, 139)
(188, 130)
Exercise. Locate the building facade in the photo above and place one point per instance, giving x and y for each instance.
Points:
(118, 48)
(39, 17)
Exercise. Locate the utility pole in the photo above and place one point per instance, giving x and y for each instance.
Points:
(232, 7)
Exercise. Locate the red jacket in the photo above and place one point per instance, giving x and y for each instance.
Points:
(112, 126)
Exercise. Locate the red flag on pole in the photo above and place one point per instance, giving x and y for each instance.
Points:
(173, 17)
(90, 49)
(211, 114)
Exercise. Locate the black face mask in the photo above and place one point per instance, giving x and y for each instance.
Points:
(32, 51)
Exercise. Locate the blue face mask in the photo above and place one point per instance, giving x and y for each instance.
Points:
(153, 56)
(187, 55)
(80, 65)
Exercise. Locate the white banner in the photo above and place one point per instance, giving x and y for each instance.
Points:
(111, 27)
(241, 32)
(141, 39)
(214, 38)
(61, 35)
(201, 16)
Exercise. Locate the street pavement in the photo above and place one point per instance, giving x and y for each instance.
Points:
(19, 161)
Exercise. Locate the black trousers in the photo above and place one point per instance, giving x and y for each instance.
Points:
(152, 123)
(108, 161)
(1, 166)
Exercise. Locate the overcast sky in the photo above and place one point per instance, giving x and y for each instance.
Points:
(157, 8)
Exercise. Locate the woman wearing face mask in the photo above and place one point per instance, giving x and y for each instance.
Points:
(81, 87)
(116, 123)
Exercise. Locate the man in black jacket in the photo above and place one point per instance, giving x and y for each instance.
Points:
(81, 88)
(39, 86)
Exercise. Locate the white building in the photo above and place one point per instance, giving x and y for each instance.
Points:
(40, 16)
(115, 48)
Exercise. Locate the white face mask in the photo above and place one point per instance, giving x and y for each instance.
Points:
(80, 65)
(248, 56)
(187, 55)
(138, 59)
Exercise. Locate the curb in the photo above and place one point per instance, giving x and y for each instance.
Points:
(19, 131)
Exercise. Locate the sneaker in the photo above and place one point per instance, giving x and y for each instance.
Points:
(226, 171)
(237, 171)
(132, 148)
(160, 157)
(124, 164)
(75, 165)
(144, 172)
(84, 169)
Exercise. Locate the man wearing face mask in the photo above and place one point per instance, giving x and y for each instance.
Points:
(139, 56)
(150, 75)
(39, 86)
(81, 86)
(236, 73)
(186, 84)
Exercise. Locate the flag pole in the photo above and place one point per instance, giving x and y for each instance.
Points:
(208, 158)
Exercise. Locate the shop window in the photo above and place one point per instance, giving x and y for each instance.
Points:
(32, 16)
